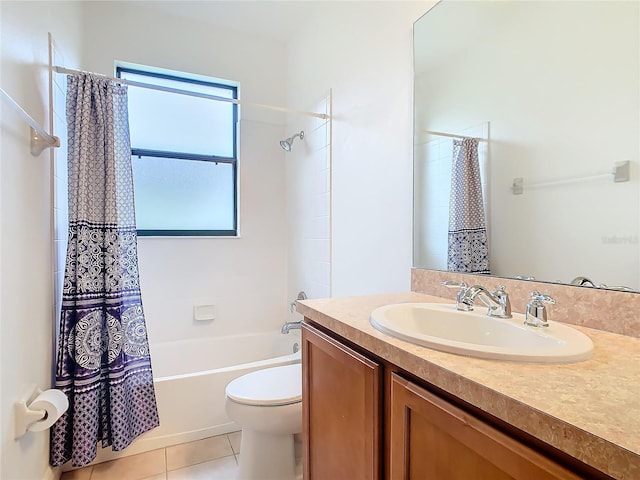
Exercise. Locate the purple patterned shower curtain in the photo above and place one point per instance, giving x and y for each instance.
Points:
(468, 247)
(103, 362)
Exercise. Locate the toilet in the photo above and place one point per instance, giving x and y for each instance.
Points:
(267, 404)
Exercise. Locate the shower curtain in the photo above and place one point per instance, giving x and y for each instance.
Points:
(468, 249)
(103, 362)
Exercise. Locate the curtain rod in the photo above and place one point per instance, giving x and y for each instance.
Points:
(452, 135)
(122, 81)
(39, 138)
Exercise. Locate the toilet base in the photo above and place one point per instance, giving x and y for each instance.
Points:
(265, 456)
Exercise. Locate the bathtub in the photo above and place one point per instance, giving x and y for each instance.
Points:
(190, 377)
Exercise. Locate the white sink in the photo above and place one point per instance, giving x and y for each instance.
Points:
(441, 327)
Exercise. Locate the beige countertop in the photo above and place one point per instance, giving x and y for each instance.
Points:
(589, 409)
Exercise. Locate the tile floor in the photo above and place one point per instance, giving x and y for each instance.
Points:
(213, 458)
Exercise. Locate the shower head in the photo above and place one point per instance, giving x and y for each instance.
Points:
(286, 144)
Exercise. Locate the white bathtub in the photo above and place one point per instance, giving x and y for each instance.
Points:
(190, 377)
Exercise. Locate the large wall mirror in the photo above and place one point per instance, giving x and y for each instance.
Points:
(552, 90)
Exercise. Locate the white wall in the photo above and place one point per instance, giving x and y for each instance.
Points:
(363, 52)
(244, 277)
(26, 307)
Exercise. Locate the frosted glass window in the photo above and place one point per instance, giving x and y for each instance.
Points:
(181, 123)
(174, 194)
(183, 151)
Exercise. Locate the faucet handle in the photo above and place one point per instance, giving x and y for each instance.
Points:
(462, 303)
(500, 290)
(536, 312)
(452, 284)
(294, 304)
(524, 277)
(541, 297)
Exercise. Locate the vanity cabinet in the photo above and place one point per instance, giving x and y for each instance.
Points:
(364, 419)
(342, 395)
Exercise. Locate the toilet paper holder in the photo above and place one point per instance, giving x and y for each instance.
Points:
(26, 417)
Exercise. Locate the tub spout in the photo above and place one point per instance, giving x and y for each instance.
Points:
(288, 326)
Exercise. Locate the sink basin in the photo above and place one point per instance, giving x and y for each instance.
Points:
(441, 327)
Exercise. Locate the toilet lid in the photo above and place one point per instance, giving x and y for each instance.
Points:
(270, 386)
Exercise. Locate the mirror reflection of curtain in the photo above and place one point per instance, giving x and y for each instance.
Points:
(468, 249)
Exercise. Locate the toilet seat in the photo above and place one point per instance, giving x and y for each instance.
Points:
(268, 387)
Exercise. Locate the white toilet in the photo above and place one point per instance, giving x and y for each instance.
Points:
(267, 404)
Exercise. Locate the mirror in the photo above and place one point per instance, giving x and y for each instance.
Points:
(553, 91)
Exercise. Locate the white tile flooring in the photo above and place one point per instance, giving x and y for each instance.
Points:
(213, 458)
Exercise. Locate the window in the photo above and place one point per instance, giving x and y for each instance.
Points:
(184, 154)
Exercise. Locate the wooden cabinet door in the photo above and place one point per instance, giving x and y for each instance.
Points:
(434, 440)
(341, 401)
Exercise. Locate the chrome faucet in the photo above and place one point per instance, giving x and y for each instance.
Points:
(583, 282)
(288, 326)
(497, 301)
(536, 313)
(586, 282)
(294, 304)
